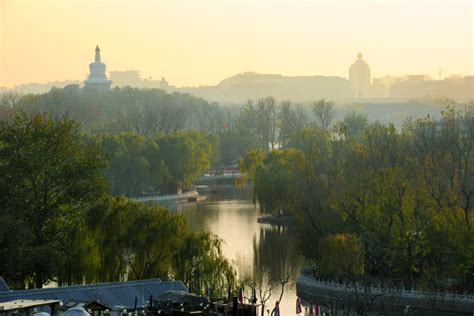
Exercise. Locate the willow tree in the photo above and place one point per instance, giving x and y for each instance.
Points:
(274, 183)
(143, 240)
(199, 263)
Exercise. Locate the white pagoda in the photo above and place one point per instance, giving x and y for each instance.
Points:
(97, 78)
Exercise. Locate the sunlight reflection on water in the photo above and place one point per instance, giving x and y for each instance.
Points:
(254, 249)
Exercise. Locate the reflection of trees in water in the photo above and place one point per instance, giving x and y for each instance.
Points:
(198, 216)
(275, 253)
(233, 194)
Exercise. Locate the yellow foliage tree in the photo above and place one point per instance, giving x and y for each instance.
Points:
(341, 255)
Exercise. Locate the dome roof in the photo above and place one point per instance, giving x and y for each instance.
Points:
(76, 311)
(360, 67)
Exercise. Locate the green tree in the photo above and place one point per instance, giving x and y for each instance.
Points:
(138, 240)
(292, 120)
(134, 167)
(186, 155)
(262, 118)
(274, 184)
(235, 143)
(199, 262)
(324, 112)
(353, 125)
(144, 240)
(49, 175)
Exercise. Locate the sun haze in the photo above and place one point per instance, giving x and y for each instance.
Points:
(200, 43)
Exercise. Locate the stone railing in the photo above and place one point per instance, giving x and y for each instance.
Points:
(307, 278)
(168, 197)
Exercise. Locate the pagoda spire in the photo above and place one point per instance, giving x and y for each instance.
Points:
(97, 54)
(97, 78)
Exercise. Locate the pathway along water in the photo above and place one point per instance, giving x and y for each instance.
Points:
(256, 250)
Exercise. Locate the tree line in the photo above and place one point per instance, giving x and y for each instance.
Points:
(156, 165)
(375, 204)
(264, 123)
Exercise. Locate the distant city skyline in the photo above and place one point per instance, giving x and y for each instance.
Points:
(201, 43)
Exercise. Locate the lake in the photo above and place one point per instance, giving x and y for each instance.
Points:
(257, 251)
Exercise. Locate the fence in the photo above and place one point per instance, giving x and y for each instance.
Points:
(168, 197)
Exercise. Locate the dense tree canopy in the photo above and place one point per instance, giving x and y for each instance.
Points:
(403, 198)
(161, 164)
(47, 176)
(258, 124)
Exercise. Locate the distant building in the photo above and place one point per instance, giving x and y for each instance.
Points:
(126, 78)
(454, 87)
(381, 86)
(251, 85)
(164, 84)
(418, 78)
(97, 78)
(132, 78)
(359, 76)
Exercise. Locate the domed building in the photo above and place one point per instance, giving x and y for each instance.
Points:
(359, 76)
(97, 78)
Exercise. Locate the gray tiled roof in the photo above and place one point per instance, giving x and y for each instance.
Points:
(109, 294)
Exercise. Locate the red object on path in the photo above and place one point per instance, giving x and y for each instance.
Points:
(298, 305)
(316, 308)
(311, 308)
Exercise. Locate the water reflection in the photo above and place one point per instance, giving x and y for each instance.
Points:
(258, 251)
(275, 251)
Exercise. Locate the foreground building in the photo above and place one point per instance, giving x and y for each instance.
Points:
(112, 298)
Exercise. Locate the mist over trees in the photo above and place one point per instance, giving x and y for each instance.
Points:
(386, 202)
(149, 112)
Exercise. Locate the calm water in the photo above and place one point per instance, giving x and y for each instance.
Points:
(256, 250)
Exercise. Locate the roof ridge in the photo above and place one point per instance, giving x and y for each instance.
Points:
(88, 286)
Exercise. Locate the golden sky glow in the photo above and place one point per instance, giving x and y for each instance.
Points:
(200, 43)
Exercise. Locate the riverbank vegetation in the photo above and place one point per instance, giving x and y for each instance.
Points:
(57, 222)
(391, 204)
(369, 200)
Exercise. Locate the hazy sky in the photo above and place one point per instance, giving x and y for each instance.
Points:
(203, 42)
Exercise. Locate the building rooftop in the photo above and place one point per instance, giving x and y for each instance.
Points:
(111, 294)
(22, 304)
